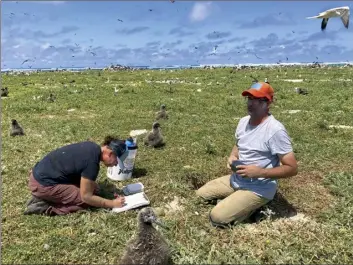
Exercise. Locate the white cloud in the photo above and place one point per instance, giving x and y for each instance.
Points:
(200, 11)
(48, 2)
(45, 45)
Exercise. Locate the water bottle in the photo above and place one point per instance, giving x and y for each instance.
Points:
(123, 170)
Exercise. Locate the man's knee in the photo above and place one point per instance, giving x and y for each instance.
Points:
(201, 193)
(218, 217)
(222, 217)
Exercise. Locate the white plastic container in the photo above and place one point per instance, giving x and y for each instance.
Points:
(119, 174)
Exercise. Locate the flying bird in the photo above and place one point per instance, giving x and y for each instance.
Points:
(27, 60)
(120, 20)
(342, 12)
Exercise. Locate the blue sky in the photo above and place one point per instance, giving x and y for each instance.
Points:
(157, 33)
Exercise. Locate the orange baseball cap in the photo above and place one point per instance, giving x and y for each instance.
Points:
(260, 90)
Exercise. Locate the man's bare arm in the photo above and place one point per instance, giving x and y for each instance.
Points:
(288, 168)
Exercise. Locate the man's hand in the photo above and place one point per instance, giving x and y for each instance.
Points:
(250, 171)
(230, 161)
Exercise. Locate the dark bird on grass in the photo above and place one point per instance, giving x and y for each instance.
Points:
(162, 113)
(4, 92)
(148, 246)
(16, 129)
(154, 138)
(51, 97)
(301, 91)
(255, 80)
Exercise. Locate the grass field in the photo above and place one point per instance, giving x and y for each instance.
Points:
(199, 136)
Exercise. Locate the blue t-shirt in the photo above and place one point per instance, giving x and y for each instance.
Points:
(260, 145)
(67, 164)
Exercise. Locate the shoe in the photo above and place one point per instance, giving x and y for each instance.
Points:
(33, 199)
(39, 207)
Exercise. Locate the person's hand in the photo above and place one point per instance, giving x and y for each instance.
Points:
(250, 171)
(119, 201)
(230, 161)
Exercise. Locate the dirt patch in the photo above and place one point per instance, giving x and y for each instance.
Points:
(294, 80)
(63, 117)
(174, 206)
(307, 193)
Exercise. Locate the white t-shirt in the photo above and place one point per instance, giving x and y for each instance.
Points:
(259, 145)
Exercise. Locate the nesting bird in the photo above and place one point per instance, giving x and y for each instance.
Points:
(162, 114)
(255, 80)
(16, 129)
(154, 138)
(4, 92)
(51, 97)
(342, 12)
(148, 246)
(301, 91)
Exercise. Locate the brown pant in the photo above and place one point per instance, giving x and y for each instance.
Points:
(236, 206)
(63, 198)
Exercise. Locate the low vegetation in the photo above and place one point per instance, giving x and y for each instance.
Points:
(204, 107)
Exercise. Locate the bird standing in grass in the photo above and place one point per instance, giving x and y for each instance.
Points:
(342, 12)
(148, 246)
(301, 91)
(154, 138)
(16, 129)
(162, 114)
(4, 92)
(51, 98)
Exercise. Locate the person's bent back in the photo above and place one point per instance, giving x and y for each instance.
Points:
(64, 181)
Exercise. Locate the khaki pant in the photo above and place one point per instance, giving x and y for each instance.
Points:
(236, 206)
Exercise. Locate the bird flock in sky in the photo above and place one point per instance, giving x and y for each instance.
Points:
(342, 12)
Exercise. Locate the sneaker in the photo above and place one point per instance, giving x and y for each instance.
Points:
(32, 200)
(39, 207)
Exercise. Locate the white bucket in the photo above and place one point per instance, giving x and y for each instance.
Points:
(117, 173)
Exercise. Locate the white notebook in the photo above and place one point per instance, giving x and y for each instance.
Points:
(133, 201)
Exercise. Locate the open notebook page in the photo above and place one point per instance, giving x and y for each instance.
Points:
(133, 201)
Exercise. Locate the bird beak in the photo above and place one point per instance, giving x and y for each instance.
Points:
(158, 222)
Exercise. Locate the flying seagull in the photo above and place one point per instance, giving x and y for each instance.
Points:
(342, 12)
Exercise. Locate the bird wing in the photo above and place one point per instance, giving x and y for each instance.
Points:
(312, 17)
(345, 17)
(324, 23)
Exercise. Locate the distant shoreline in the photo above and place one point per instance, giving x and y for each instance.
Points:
(173, 66)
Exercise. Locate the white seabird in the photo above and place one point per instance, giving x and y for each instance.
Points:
(342, 12)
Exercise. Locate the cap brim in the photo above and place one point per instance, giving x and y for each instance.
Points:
(253, 92)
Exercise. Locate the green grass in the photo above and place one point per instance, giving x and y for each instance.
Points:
(200, 134)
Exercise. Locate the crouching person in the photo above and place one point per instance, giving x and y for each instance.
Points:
(265, 150)
(64, 181)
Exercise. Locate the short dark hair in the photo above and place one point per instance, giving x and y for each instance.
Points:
(109, 138)
(117, 145)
